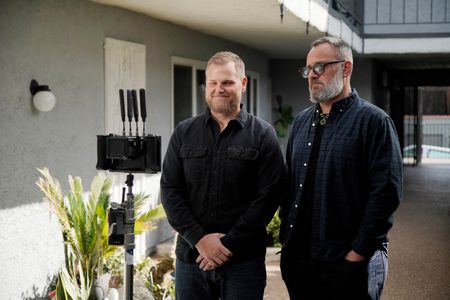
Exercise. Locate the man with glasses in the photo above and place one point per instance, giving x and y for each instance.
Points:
(345, 173)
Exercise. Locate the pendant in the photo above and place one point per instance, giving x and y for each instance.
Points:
(323, 121)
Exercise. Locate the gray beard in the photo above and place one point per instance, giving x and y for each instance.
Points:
(329, 91)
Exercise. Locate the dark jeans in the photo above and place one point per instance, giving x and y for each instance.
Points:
(337, 280)
(233, 281)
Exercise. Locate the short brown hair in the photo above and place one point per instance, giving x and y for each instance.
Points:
(224, 57)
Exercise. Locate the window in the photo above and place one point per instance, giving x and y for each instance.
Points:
(188, 88)
(250, 97)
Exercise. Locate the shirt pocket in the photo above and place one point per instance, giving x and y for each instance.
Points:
(194, 162)
(240, 163)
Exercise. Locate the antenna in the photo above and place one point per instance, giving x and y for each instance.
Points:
(135, 110)
(143, 109)
(122, 110)
(130, 108)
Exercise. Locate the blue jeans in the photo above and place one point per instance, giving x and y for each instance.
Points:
(232, 281)
(336, 280)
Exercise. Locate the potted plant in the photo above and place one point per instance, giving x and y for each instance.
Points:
(84, 227)
(285, 118)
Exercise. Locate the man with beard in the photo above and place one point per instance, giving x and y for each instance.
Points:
(345, 173)
(220, 188)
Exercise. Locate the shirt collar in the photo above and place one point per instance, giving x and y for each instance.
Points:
(341, 105)
(240, 119)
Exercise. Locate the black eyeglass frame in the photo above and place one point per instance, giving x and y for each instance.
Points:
(318, 68)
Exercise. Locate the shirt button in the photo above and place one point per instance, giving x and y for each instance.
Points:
(309, 144)
(313, 124)
(291, 226)
(301, 185)
(305, 164)
(296, 205)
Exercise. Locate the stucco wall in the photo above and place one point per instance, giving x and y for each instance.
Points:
(60, 43)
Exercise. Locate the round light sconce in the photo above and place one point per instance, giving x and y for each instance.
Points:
(43, 98)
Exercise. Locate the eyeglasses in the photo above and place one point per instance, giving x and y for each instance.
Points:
(318, 68)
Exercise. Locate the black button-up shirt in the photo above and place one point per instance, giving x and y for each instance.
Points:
(357, 183)
(226, 182)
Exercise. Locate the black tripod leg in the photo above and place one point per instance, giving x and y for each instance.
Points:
(129, 239)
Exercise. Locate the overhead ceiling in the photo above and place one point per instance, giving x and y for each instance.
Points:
(253, 23)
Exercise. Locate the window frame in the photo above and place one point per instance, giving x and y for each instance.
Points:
(195, 65)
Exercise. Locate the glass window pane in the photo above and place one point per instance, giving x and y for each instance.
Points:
(201, 101)
(182, 105)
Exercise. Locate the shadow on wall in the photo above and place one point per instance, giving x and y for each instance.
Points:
(34, 294)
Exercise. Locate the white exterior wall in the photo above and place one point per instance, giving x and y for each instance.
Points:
(61, 43)
(406, 45)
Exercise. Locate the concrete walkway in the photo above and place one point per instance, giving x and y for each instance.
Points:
(419, 250)
(275, 289)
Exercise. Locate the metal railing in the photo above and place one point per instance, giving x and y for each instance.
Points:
(434, 138)
(407, 12)
(407, 17)
(393, 17)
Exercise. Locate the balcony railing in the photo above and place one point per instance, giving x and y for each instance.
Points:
(407, 17)
(385, 18)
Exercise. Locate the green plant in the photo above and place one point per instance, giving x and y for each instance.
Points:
(157, 276)
(84, 227)
(273, 229)
(285, 117)
(115, 266)
(155, 273)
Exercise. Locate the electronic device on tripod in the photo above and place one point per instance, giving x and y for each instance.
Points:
(131, 154)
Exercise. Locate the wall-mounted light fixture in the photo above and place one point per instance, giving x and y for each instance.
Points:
(43, 98)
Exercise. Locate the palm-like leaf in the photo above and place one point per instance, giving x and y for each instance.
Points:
(84, 225)
(69, 284)
(146, 220)
(52, 191)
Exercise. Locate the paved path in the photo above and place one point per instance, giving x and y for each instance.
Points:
(419, 265)
(419, 250)
(275, 289)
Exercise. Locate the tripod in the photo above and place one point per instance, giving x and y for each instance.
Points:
(129, 243)
(122, 153)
